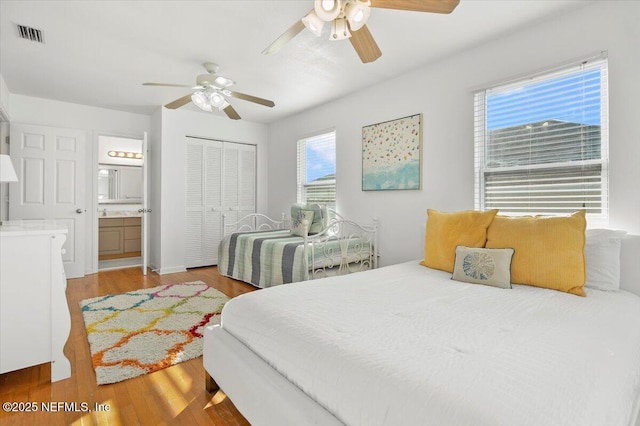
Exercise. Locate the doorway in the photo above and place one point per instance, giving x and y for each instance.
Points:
(121, 192)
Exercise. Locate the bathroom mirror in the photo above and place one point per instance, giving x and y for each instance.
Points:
(119, 184)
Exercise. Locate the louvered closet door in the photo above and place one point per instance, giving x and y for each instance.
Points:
(204, 191)
(239, 197)
(220, 180)
(213, 155)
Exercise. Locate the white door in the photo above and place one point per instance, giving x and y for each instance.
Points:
(221, 180)
(204, 192)
(50, 164)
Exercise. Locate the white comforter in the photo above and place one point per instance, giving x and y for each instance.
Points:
(405, 345)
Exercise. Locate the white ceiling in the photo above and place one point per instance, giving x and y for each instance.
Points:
(99, 53)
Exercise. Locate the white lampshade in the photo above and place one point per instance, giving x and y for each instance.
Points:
(327, 10)
(200, 99)
(313, 23)
(7, 172)
(357, 13)
(217, 100)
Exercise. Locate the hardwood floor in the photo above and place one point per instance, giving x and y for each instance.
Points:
(175, 395)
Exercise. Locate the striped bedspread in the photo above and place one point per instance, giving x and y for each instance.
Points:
(268, 258)
(262, 258)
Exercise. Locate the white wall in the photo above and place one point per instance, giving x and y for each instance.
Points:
(5, 99)
(443, 92)
(94, 121)
(4, 148)
(176, 125)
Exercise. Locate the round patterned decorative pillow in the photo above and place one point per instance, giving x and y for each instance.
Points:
(478, 265)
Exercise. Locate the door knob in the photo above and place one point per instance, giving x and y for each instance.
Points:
(80, 211)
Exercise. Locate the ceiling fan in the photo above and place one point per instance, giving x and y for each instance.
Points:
(211, 93)
(348, 19)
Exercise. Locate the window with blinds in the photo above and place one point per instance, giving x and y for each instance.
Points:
(541, 143)
(317, 169)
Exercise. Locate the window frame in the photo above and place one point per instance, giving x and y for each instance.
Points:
(301, 170)
(481, 140)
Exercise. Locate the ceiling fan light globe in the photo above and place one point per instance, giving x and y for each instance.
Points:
(217, 100)
(328, 5)
(200, 100)
(339, 30)
(357, 14)
(313, 23)
(327, 10)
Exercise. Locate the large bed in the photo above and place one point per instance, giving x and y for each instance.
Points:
(407, 345)
(264, 252)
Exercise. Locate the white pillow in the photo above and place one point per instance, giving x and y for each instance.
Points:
(302, 222)
(602, 257)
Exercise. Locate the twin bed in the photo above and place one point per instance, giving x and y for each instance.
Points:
(264, 252)
(407, 345)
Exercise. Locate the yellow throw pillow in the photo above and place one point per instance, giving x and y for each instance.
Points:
(446, 231)
(549, 251)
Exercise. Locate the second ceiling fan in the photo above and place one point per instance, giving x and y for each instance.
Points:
(211, 92)
(348, 19)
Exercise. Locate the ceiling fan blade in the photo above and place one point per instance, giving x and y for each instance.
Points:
(249, 98)
(179, 102)
(231, 113)
(165, 85)
(433, 6)
(284, 38)
(364, 44)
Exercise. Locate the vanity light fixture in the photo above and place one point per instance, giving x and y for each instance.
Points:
(125, 154)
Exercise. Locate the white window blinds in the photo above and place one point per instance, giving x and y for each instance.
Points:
(541, 144)
(317, 169)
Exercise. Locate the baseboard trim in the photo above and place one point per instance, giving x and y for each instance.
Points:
(171, 270)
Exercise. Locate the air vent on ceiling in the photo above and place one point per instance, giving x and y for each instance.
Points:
(29, 33)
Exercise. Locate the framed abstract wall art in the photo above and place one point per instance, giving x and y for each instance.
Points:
(392, 154)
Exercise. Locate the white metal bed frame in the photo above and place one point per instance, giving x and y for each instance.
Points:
(343, 247)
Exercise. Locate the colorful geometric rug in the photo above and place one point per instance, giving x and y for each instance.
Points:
(146, 330)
